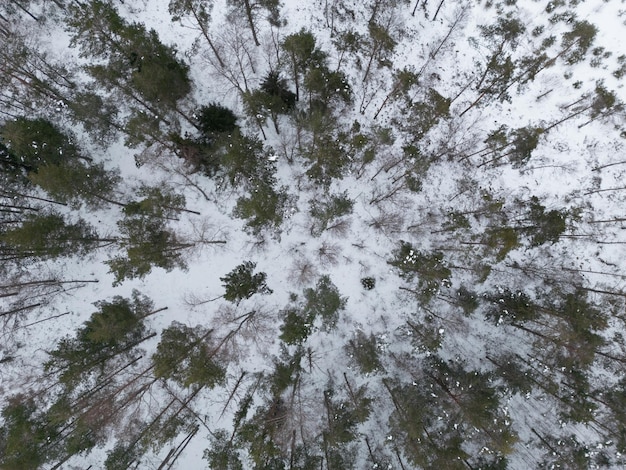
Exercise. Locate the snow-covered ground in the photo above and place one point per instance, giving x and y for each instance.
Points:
(570, 169)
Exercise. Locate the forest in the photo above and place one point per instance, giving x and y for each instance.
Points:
(312, 234)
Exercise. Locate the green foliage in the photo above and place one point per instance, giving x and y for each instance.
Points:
(324, 301)
(35, 142)
(467, 300)
(382, 44)
(222, 453)
(301, 54)
(327, 155)
(215, 119)
(546, 226)
(516, 378)
(48, 235)
(455, 221)
(112, 330)
(121, 457)
(135, 59)
(363, 350)
(345, 416)
(24, 436)
(241, 283)
(95, 114)
(502, 240)
(157, 201)
(264, 208)
(186, 356)
(424, 115)
(506, 29)
(296, 326)
(510, 306)
(429, 269)
(368, 283)
(276, 86)
(524, 142)
(148, 243)
(326, 87)
(75, 183)
(577, 41)
(603, 100)
(244, 160)
(328, 210)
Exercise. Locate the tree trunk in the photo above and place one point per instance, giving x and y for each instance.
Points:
(251, 21)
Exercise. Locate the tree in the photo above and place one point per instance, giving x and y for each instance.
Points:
(363, 350)
(222, 453)
(545, 226)
(328, 209)
(35, 142)
(186, 356)
(576, 43)
(264, 208)
(301, 53)
(113, 330)
(76, 183)
(147, 242)
(25, 436)
(510, 306)
(200, 12)
(48, 235)
(270, 100)
(296, 326)
(429, 269)
(241, 283)
(244, 160)
(324, 302)
(215, 119)
(133, 60)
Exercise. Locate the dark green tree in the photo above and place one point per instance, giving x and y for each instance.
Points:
(328, 209)
(324, 302)
(25, 436)
(147, 242)
(32, 143)
(264, 207)
(576, 43)
(510, 306)
(242, 283)
(301, 53)
(113, 330)
(363, 350)
(75, 183)
(429, 269)
(187, 356)
(544, 226)
(296, 326)
(215, 119)
(48, 235)
(135, 62)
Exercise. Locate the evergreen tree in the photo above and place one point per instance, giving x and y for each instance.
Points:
(48, 235)
(324, 302)
(25, 436)
(147, 242)
(242, 284)
(215, 119)
(186, 356)
(76, 183)
(32, 143)
(112, 330)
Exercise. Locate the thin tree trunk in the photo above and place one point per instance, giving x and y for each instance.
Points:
(251, 21)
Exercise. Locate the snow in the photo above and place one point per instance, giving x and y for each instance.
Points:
(560, 173)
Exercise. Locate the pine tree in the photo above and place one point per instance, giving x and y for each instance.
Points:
(242, 284)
